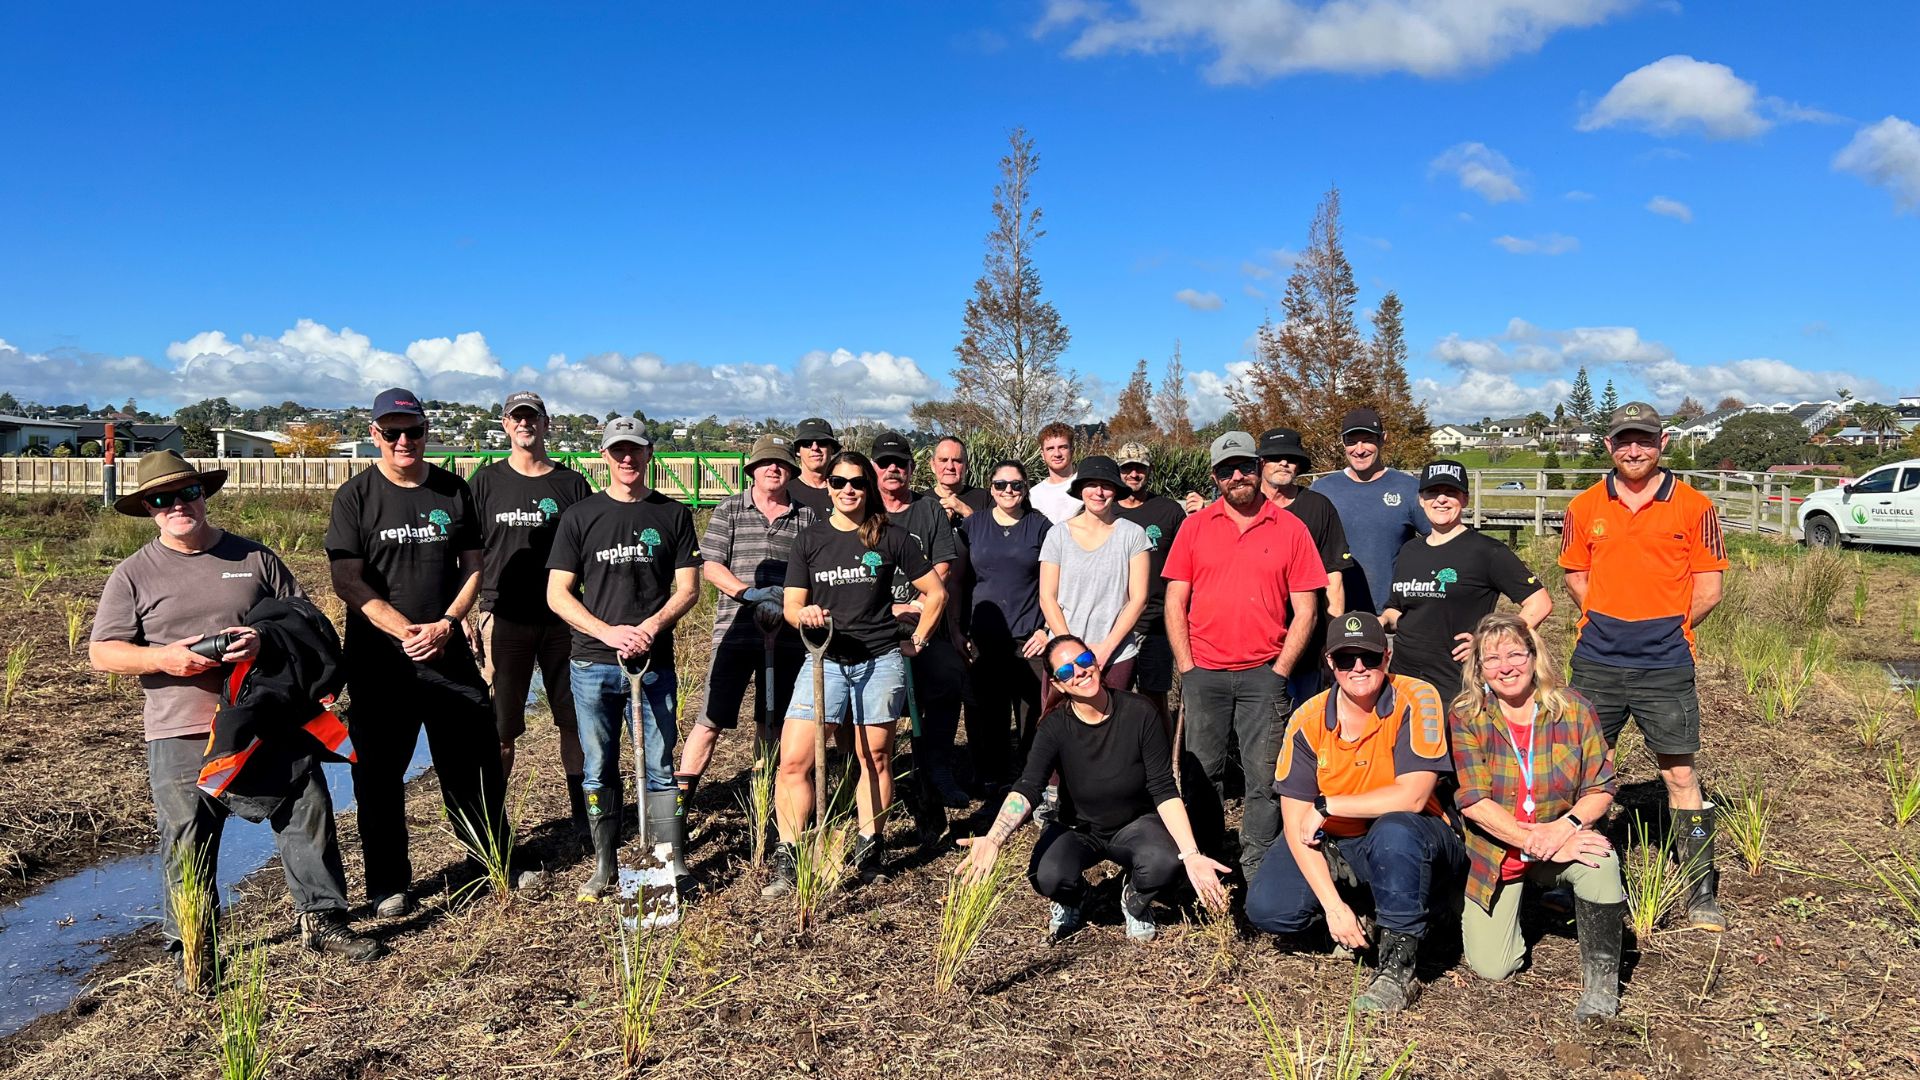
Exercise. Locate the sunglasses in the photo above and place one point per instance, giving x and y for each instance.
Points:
(838, 482)
(1065, 671)
(1009, 485)
(160, 500)
(808, 444)
(1227, 469)
(1346, 661)
(413, 434)
(892, 463)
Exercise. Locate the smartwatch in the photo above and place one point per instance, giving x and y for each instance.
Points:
(1577, 823)
(1320, 805)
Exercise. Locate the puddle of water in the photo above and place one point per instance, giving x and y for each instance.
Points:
(51, 940)
(1904, 673)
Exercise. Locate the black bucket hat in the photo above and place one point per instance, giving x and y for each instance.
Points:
(1096, 469)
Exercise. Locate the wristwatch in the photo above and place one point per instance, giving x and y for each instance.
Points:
(1320, 806)
(452, 623)
(1577, 823)
(1185, 855)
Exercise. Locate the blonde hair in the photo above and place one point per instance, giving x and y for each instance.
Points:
(1550, 694)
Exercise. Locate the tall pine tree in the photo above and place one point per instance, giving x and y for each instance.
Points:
(1580, 400)
(1403, 416)
(1609, 401)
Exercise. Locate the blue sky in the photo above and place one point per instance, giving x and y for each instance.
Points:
(779, 209)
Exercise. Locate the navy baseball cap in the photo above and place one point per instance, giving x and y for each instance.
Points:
(397, 402)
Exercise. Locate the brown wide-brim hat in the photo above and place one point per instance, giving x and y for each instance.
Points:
(161, 469)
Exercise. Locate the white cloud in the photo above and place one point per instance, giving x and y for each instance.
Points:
(1763, 379)
(1549, 244)
(1672, 208)
(1578, 196)
(1200, 301)
(1207, 397)
(1484, 393)
(1677, 94)
(1255, 271)
(1253, 292)
(1886, 154)
(1252, 42)
(316, 365)
(1480, 169)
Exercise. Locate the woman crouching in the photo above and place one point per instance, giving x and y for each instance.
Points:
(1534, 780)
(1118, 802)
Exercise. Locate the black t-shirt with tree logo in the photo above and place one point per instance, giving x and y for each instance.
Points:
(855, 585)
(410, 539)
(1444, 591)
(623, 556)
(519, 516)
(1161, 517)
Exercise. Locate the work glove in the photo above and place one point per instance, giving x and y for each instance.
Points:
(764, 594)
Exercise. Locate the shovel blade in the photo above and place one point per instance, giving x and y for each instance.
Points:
(649, 896)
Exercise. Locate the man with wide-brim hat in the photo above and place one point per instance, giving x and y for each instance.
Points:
(744, 556)
(191, 582)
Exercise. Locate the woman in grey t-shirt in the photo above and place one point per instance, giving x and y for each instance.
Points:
(1093, 573)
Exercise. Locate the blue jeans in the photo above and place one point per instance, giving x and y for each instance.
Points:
(603, 707)
(1399, 860)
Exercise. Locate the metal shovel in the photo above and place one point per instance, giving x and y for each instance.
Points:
(649, 893)
(819, 654)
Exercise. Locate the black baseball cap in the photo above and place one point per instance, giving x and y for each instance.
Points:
(892, 446)
(1361, 420)
(1096, 469)
(397, 401)
(1443, 473)
(1357, 630)
(523, 399)
(814, 429)
(1283, 443)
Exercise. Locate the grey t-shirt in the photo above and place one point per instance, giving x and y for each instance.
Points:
(1093, 584)
(159, 596)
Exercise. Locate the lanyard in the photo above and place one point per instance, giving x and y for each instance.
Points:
(1526, 762)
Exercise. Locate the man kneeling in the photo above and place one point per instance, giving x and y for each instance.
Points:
(1356, 779)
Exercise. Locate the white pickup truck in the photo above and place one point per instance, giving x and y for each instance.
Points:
(1882, 507)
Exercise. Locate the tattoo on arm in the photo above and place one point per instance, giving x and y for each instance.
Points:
(1012, 813)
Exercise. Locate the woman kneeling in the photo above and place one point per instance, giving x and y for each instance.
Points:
(1118, 802)
(1534, 781)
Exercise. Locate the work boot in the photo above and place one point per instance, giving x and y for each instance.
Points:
(1693, 848)
(1140, 927)
(329, 932)
(604, 829)
(686, 783)
(783, 871)
(577, 812)
(867, 851)
(393, 905)
(1394, 985)
(667, 825)
(1063, 921)
(1601, 929)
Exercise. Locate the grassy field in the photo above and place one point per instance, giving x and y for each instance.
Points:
(1808, 745)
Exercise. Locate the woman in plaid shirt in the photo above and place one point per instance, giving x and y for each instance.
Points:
(1534, 780)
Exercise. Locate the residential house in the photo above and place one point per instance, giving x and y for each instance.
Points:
(1513, 427)
(1856, 436)
(1453, 438)
(133, 439)
(237, 443)
(1575, 436)
(24, 435)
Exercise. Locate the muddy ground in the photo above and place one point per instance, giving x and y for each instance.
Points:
(1817, 977)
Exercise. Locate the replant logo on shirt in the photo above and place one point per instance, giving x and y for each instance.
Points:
(1437, 586)
(542, 512)
(867, 571)
(433, 532)
(1153, 537)
(640, 551)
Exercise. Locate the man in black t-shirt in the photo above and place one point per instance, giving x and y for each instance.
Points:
(624, 569)
(403, 541)
(814, 445)
(939, 672)
(520, 500)
(1282, 460)
(1161, 518)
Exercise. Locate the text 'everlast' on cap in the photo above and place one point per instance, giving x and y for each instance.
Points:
(1443, 473)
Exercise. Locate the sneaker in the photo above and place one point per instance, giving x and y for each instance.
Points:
(394, 905)
(1062, 922)
(1140, 928)
(867, 851)
(329, 932)
(780, 881)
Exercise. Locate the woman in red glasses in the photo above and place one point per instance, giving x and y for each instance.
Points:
(1118, 802)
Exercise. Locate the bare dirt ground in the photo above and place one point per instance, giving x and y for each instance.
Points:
(1817, 977)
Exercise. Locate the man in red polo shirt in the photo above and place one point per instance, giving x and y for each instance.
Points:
(1239, 613)
(1644, 558)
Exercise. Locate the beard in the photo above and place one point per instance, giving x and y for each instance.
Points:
(1241, 494)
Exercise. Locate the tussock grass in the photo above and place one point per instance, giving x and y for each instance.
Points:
(1903, 785)
(19, 658)
(1873, 704)
(642, 966)
(1339, 1050)
(1655, 885)
(31, 589)
(964, 915)
(1792, 679)
(1746, 815)
(248, 1039)
(490, 844)
(1860, 591)
(822, 863)
(1758, 648)
(1814, 580)
(756, 800)
(192, 903)
(77, 610)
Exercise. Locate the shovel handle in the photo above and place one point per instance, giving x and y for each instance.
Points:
(819, 653)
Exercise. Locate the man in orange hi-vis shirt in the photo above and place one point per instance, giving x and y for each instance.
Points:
(1644, 557)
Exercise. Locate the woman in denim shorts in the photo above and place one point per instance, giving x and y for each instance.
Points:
(842, 569)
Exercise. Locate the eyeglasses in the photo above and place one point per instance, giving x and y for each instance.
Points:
(524, 416)
(1512, 658)
(838, 482)
(808, 444)
(1226, 470)
(394, 434)
(1065, 671)
(160, 500)
(1347, 659)
(1009, 485)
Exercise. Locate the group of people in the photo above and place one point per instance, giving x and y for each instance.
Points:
(1342, 639)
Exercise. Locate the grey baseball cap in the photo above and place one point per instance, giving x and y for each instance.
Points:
(624, 429)
(1234, 444)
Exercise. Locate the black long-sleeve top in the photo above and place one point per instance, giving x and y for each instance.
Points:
(1112, 773)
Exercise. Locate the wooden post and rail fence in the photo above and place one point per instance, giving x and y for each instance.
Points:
(1530, 500)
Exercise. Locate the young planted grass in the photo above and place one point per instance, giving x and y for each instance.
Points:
(247, 1035)
(1746, 815)
(1340, 1050)
(1758, 648)
(19, 658)
(1873, 705)
(1903, 785)
(1218, 932)
(1792, 679)
(77, 610)
(969, 906)
(192, 904)
(756, 800)
(1655, 885)
(642, 965)
(1860, 591)
(31, 589)
(822, 862)
(491, 844)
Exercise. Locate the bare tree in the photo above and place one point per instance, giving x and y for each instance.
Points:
(1007, 372)
(1170, 402)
